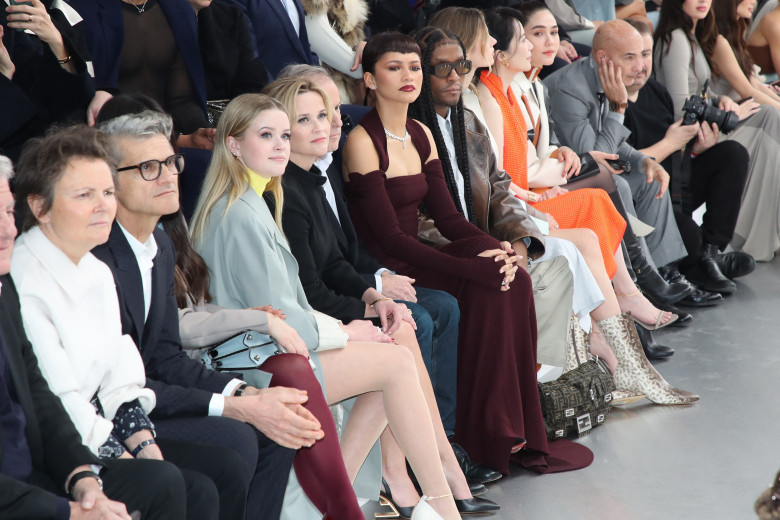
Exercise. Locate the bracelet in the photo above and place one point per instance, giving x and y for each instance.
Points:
(379, 300)
(141, 446)
(64, 60)
(80, 475)
(240, 389)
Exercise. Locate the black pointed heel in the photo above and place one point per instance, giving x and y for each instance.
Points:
(476, 505)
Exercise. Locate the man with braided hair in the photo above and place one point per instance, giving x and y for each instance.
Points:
(480, 192)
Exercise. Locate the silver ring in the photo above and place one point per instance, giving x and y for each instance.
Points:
(503, 282)
(379, 330)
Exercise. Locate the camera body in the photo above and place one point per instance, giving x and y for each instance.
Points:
(696, 109)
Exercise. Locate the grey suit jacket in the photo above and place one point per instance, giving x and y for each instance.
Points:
(582, 121)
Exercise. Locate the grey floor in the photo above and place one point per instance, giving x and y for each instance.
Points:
(706, 461)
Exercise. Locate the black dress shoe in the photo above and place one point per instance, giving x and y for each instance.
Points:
(473, 471)
(476, 505)
(706, 274)
(652, 349)
(736, 264)
(697, 297)
(476, 488)
(657, 290)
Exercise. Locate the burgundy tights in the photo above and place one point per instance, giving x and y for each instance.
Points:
(320, 469)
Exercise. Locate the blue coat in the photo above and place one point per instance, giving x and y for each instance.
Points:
(275, 38)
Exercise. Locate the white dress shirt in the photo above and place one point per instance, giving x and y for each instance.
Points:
(71, 316)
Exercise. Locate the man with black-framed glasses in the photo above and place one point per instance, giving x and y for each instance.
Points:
(192, 403)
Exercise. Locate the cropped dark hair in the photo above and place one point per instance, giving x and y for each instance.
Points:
(431, 38)
(384, 42)
(44, 160)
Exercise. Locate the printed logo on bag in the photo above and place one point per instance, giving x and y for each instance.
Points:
(558, 433)
(584, 423)
(569, 412)
(608, 397)
(600, 418)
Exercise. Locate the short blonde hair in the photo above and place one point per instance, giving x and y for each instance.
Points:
(226, 175)
(287, 89)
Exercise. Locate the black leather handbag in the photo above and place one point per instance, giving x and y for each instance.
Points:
(580, 399)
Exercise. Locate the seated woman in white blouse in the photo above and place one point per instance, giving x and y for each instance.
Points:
(70, 310)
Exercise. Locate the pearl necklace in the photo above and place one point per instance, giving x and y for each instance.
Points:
(402, 139)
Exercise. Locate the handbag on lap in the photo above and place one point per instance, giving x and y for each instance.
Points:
(245, 351)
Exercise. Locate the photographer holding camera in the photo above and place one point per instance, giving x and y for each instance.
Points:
(703, 170)
(588, 100)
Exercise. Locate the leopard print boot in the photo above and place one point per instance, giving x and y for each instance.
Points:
(634, 372)
(577, 346)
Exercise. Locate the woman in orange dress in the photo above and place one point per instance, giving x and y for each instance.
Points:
(586, 208)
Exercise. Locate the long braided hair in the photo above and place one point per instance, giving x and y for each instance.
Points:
(430, 38)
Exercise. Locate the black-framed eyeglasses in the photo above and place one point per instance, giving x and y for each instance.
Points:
(152, 169)
(443, 70)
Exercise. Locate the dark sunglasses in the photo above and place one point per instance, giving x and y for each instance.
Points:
(443, 70)
(152, 169)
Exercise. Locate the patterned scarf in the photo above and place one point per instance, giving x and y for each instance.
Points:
(515, 131)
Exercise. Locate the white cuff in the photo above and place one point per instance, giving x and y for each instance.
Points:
(231, 386)
(330, 334)
(216, 405)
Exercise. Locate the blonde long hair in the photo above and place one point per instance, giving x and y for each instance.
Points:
(226, 174)
(286, 91)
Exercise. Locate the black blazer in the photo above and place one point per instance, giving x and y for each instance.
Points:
(183, 385)
(348, 241)
(55, 445)
(229, 58)
(331, 284)
(275, 39)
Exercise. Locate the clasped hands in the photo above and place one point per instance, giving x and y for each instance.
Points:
(510, 262)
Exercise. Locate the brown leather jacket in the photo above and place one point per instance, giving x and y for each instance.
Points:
(498, 212)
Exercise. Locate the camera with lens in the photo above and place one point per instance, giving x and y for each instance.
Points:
(696, 109)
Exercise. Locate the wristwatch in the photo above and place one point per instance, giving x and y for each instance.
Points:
(80, 475)
(614, 106)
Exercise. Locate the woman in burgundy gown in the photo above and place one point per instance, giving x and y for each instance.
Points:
(393, 168)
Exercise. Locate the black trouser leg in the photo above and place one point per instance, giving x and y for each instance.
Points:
(718, 177)
(154, 488)
(216, 485)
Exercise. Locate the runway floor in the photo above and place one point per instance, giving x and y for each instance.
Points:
(707, 461)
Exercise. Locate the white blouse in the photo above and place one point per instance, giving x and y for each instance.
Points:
(71, 316)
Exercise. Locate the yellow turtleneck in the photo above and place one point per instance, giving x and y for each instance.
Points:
(257, 181)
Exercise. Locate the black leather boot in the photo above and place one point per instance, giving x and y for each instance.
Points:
(652, 349)
(706, 273)
(735, 264)
(648, 279)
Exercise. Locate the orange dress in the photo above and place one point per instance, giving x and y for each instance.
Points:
(589, 208)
